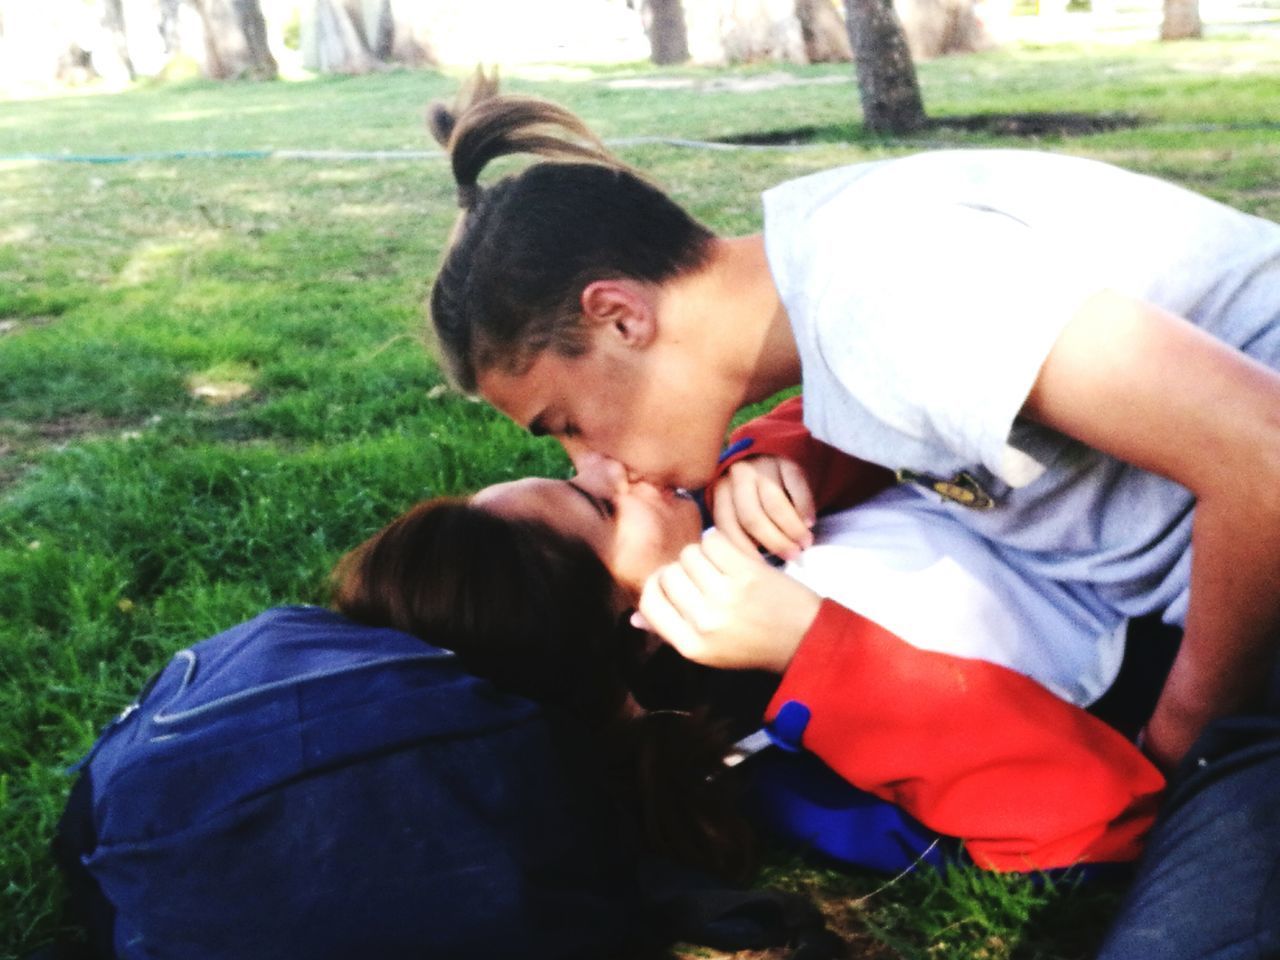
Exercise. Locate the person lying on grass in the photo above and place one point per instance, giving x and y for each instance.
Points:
(1074, 363)
(911, 660)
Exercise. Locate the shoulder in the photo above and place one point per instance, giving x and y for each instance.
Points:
(817, 189)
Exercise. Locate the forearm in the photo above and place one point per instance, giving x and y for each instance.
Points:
(1109, 382)
(1233, 620)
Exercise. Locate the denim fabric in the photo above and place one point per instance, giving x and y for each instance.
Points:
(1208, 885)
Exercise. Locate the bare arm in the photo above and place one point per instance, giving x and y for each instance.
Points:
(1148, 387)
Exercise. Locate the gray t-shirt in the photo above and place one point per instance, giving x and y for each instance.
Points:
(925, 294)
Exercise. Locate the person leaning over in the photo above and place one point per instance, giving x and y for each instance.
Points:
(1074, 362)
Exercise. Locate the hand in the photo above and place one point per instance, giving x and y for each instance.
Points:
(725, 607)
(1186, 706)
(1197, 692)
(1166, 739)
(765, 500)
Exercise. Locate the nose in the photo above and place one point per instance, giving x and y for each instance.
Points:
(578, 453)
(603, 473)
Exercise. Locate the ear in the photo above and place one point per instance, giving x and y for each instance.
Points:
(626, 308)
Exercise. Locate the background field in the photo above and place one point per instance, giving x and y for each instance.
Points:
(213, 380)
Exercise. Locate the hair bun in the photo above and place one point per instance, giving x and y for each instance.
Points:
(440, 121)
(443, 118)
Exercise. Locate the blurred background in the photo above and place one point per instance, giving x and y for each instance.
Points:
(219, 220)
(53, 43)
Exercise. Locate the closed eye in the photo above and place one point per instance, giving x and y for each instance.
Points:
(601, 506)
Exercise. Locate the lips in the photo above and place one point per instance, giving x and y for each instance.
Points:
(670, 496)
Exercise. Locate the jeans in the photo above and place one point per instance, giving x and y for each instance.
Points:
(1208, 884)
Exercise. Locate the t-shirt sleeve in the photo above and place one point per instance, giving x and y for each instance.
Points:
(937, 320)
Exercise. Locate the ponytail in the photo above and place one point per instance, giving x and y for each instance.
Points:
(482, 126)
(523, 249)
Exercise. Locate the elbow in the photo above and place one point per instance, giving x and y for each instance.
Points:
(1244, 477)
(1262, 482)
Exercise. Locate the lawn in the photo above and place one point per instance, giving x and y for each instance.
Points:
(213, 377)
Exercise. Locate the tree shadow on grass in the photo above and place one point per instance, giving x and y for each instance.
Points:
(1032, 124)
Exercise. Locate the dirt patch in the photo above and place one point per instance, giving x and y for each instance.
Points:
(21, 441)
(76, 426)
(217, 392)
(745, 84)
(843, 918)
(11, 469)
(13, 325)
(999, 124)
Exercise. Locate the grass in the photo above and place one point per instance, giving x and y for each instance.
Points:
(212, 377)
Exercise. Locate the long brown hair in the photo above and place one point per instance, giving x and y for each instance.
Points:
(532, 610)
(524, 248)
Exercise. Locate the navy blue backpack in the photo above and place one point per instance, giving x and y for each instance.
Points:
(304, 786)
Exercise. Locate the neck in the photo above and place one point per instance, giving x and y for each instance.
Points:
(733, 312)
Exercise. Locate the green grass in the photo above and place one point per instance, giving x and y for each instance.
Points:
(136, 517)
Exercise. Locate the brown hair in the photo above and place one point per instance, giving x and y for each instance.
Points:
(524, 248)
(532, 610)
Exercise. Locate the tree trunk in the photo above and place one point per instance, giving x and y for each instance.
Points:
(887, 84)
(361, 14)
(332, 43)
(380, 28)
(664, 24)
(235, 37)
(755, 30)
(825, 38)
(184, 46)
(261, 63)
(1181, 20)
(170, 33)
(934, 28)
(395, 31)
(111, 57)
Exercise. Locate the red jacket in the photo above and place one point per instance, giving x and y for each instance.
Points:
(969, 748)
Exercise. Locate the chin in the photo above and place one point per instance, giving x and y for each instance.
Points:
(706, 472)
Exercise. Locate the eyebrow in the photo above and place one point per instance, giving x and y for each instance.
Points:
(596, 505)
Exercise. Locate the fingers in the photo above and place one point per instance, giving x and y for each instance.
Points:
(703, 572)
(727, 558)
(662, 617)
(766, 501)
(686, 602)
(785, 518)
(749, 479)
(686, 597)
(725, 516)
(796, 484)
(723, 607)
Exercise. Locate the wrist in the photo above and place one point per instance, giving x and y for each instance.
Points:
(803, 614)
